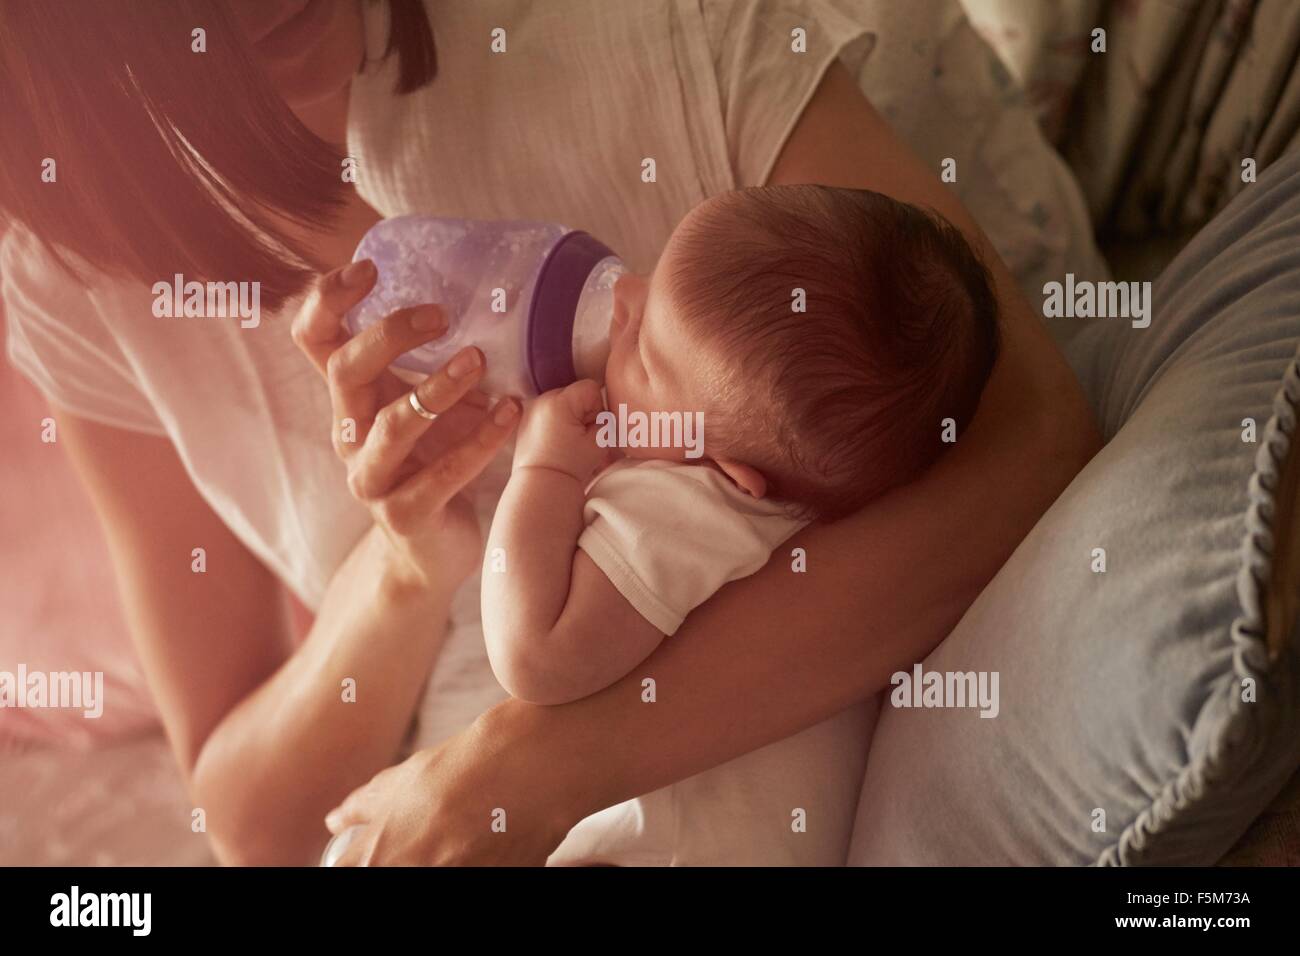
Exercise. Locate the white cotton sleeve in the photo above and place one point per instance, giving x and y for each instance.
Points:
(669, 535)
(55, 336)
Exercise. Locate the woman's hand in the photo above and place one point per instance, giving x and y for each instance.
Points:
(408, 469)
(460, 803)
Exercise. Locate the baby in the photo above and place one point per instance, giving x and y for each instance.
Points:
(823, 338)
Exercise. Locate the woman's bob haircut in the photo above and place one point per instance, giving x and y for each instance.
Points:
(165, 160)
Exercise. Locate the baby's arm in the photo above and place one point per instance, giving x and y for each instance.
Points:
(556, 628)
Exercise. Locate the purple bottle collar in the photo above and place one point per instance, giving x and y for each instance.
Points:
(560, 281)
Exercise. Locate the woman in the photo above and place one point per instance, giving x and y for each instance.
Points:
(197, 433)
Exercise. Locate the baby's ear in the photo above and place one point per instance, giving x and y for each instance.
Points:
(750, 479)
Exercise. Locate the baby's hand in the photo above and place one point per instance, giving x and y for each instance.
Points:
(559, 432)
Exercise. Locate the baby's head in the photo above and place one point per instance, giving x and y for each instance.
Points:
(825, 334)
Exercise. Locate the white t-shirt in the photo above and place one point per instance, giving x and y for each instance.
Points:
(556, 129)
(668, 534)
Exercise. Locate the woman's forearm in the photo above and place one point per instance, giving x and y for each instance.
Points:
(331, 716)
(261, 732)
(779, 651)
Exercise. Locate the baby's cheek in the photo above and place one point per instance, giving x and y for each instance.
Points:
(617, 387)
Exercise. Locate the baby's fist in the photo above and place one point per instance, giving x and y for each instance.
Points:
(583, 400)
(559, 431)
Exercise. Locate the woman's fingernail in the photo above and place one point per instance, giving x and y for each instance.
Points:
(504, 411)
(426, 318)
(357, 273)
(464, 363)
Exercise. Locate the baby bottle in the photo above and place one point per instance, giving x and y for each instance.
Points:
(537, 298)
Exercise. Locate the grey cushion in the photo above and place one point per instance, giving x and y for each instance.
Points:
(1122, 691)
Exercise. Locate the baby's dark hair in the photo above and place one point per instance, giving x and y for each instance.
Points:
(847, 399)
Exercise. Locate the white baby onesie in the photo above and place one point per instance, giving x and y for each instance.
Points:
(668, 535)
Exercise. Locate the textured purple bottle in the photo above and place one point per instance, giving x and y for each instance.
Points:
(537, 298)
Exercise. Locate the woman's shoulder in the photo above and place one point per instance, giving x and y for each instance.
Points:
(48, 296)
(25, 258)
(53, 295)
(57, 336)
